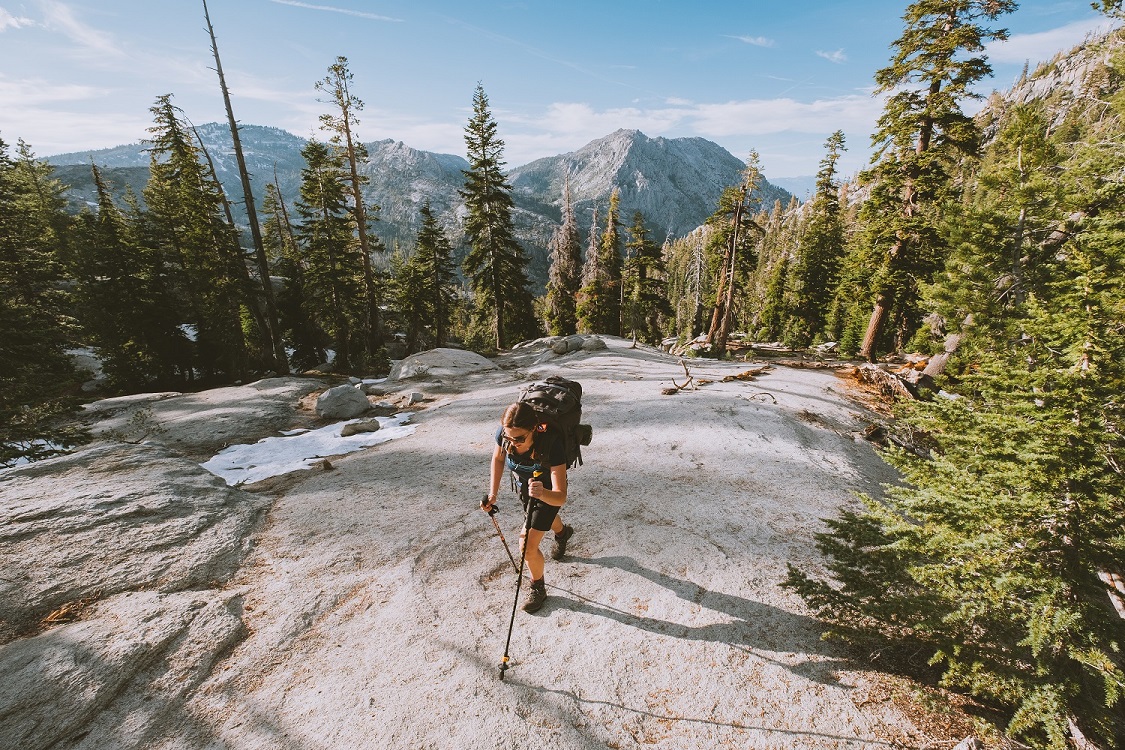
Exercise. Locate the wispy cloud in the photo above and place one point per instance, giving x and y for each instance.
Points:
(1045, 44)
(44, 114)
(771, 116)
(757, 41)
(60, 17)
(8, 21)
(565, 126)
(332, 9)
(838, 57)
(33, 92)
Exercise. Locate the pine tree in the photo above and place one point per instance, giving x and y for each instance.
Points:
(333, 271)
(584, 306)
(433, 261)
(767, 298)
(496, 264)
(646, 294)
(735, 231)
(408, 287)
(123, 302)
(294, 310)
(565, 273)
(816, 272)
(688, 280)
(185, 209)
(599, 304)
(36, 376)
(994, 556)
(337, 84)
(774, 311)
(921, 132)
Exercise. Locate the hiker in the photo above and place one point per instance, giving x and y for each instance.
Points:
(536, 455)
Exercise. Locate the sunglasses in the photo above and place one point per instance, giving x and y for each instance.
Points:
(518, 440)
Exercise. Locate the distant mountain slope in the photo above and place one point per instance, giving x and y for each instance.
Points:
(1083, 76)
(674, 182)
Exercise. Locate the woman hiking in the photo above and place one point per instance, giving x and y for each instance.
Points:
(536, 455)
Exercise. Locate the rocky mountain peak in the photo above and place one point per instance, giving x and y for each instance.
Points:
(674, 182)
(1072, 78)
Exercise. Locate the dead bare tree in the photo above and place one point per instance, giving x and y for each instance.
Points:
(272, 330)
(719, 331)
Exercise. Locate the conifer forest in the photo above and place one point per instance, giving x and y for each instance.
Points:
(993, 244)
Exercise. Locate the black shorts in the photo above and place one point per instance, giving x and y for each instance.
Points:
(542, 514)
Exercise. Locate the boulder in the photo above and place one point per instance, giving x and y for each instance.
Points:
(440, 364)
(384, 408)
(593, 344)
(363, 425)
(342, 402)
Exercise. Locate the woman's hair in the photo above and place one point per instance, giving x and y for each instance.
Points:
(520, 415)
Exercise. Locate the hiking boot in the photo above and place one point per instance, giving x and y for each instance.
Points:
(536, 595)
(559, 547)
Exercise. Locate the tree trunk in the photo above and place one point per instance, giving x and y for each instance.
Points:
(724, 299)
(875, 326)
(374, 338)
(498, 299)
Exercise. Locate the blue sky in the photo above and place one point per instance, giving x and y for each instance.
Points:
(776, 77)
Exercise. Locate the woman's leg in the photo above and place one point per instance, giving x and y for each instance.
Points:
(533, 556)
(557, 525)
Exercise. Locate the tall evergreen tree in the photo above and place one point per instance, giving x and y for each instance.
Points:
(295, 315)
(341, 124)
(689, 279)
(124, 304)
(185, 208)
(408, 287)
(582, 307)
(774, 312)
(767, 300)
(432, 260)
(565, 273)
(921, 132)
(996, 556)
(36, 375)
(333, 273)
(739, 226)
(599, 304)
(646, 292)
(816, 272)
(496, 264)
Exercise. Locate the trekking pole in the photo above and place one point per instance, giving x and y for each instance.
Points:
(492, 515)
(519, 575)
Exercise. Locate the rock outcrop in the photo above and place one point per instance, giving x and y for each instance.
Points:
(112, 610)
(441, 364)
(111, 519)
(200, 424)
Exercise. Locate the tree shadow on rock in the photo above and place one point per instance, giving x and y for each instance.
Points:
(755, 627)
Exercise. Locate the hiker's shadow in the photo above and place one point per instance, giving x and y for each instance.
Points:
(755, 628)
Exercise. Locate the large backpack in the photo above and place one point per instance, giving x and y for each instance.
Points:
(558, 402)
